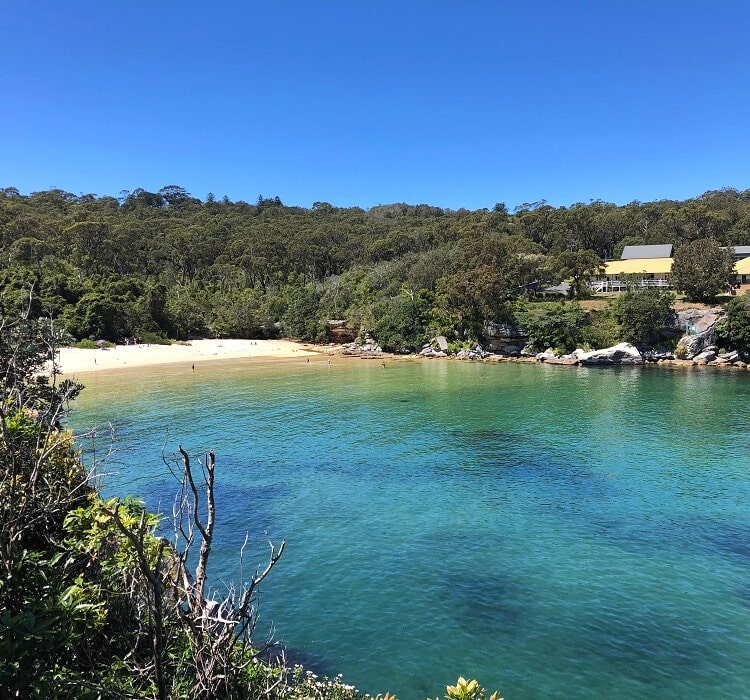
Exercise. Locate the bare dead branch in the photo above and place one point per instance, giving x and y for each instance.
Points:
(154, 589)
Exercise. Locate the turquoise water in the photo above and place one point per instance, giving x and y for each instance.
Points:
(555, 532)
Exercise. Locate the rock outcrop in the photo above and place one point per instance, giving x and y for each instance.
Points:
(699, 326)
(429, 351)
(367, 348)
(475, 353)
(338, 332)
(504, 338)
(548, 354)
(706, 356)
(727, 358)
(620, 354)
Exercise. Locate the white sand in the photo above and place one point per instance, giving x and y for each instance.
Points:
(75, 360)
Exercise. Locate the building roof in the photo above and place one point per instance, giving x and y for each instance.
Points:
(563, 289)
(639, 266)
(743, 266)
(741, 251)
(630, 252)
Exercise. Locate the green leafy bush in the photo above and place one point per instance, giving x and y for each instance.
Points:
(734, 330)
(601, 330)
(86, 344)
(702, 269)
(468, 690)
(559, 326)
(152, 338)
(400, 322)
(643, 314)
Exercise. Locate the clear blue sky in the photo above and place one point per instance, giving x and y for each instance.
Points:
(455, 104)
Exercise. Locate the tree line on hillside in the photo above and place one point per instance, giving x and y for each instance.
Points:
(165, 264)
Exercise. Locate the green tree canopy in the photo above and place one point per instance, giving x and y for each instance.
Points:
(735, 329)
(251, 268)
(643, 313)
(558, 327)
(702, 269)
(580, 267)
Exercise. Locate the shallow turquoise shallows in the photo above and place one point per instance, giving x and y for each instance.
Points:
(555, 532)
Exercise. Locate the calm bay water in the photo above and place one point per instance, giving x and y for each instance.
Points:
(554, 532)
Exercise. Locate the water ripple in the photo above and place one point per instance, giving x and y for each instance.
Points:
(554, 533)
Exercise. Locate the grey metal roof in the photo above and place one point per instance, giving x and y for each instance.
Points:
(633, 252)
(741, 252)
(563, 288)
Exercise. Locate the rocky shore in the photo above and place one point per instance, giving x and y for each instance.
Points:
(695, 328)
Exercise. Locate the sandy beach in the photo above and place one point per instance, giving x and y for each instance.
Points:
(75, 360)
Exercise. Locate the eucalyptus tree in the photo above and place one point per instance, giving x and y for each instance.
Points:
(580, 267)
(703, 269)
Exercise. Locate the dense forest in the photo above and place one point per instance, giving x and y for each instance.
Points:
(169, 265)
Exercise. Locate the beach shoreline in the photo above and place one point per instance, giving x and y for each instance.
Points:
(73, 361)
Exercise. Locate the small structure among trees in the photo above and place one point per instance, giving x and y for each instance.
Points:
(701, 269)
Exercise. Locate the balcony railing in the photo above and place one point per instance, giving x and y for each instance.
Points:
(616, 285)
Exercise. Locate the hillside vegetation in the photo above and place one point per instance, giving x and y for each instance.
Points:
(166, 264)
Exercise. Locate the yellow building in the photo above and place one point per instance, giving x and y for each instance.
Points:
(646, 272)
(742, 267)
(649, 272)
